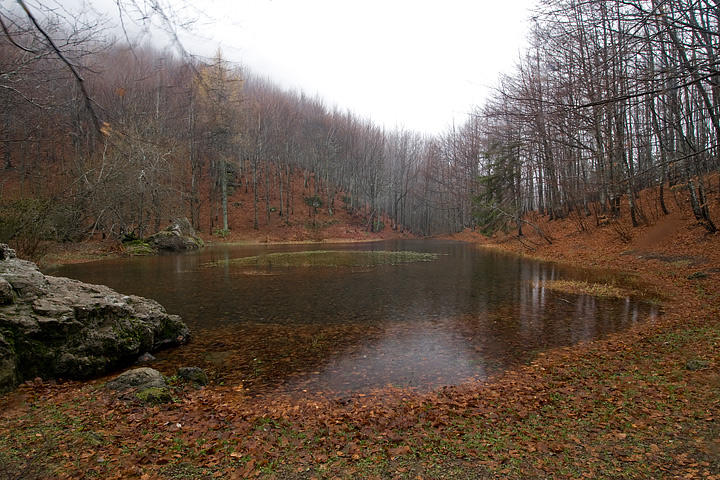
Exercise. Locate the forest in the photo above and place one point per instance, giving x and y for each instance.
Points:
(598, 151)
(103, 137)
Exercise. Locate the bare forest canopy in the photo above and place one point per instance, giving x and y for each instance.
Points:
(611, 97)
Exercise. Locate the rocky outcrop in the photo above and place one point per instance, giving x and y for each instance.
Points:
(52, 327)
(178, 237)
(8, 364)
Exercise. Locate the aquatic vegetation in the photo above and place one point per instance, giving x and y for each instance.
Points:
(587, 288)
(329, 258)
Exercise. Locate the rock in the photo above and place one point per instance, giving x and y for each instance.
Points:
(145, 357)
(137, 379)
(54, 327)
(694, 365)
(155, 396)
(6, 253)
(8, 364)
(5, 292)
(146, 384)
(179, 236)
(193, 374)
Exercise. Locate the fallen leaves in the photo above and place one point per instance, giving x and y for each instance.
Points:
(624, 407)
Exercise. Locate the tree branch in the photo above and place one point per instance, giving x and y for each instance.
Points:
(80, 81)
(516, 217)
(11, 39)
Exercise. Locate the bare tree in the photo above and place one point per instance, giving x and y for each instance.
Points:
(220, 99)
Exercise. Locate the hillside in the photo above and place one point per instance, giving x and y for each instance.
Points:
(664, 252)
(303, 225)
(612, 99)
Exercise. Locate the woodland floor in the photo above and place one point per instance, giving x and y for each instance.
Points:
(303, 225)
(640, 404)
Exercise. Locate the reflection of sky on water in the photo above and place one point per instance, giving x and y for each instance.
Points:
(424, 356)
(468, 314)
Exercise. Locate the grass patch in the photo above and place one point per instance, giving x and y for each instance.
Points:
(329, 258)
(577, 287)
(138, 248)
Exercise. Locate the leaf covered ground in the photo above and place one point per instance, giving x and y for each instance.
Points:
(640, 404)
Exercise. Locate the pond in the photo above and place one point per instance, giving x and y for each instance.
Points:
(456, 313)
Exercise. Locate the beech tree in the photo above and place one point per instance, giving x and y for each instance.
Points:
(220, 100)
(611, 97)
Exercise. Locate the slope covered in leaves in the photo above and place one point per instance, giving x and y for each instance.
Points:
(640, 404)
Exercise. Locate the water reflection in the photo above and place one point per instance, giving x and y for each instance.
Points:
(466, 315)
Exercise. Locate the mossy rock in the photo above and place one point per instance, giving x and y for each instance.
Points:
(146, 384)
(178, 237)
(139, 249)
(155, 396)
(53, 327)
(193, 375)
(138, 379)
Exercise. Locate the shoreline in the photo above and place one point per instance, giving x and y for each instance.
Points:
(642, 403)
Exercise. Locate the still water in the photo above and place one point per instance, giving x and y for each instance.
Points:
(465, 315)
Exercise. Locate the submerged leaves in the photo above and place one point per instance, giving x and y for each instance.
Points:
(624, 407)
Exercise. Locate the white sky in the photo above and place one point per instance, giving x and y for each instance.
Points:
(416, 64)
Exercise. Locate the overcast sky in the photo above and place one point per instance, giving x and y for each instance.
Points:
(417, 64)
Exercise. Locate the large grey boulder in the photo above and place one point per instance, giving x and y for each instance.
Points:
(52, 327)
(178, 237)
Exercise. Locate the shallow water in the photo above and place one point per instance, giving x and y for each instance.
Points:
(465, 315)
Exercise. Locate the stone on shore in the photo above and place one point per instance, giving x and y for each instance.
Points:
(179, 236)
(146, 384)
(53, 327)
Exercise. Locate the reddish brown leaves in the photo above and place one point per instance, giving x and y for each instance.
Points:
(624, 407)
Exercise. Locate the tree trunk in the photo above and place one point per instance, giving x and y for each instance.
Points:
(224, 193)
